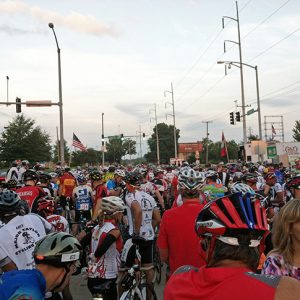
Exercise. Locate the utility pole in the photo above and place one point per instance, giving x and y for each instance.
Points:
(7, 80)
(140, 136)
(207, 134)
(173, 115)
(241, 68)
(156, 133)
(103, 141)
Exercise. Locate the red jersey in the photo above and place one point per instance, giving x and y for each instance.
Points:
(100, 191)
(220, 283)
(67, 182)
(31, 194)
(177, 234)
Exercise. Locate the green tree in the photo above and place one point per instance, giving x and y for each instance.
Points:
(90, 157)
(296, 131)
(166, 143)
(117, 148)
(253, 137)
(55, 150)
(21, 139)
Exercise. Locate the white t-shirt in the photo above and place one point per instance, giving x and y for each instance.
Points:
(59, 223)
(18, 238)
(147, 204)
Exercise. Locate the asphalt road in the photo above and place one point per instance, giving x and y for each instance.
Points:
(80, 291)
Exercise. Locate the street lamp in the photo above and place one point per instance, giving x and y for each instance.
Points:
(103, 140)
(60, 104)
(7, 80)
(238, 65)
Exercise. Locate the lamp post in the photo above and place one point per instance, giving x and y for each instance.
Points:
(238, 65)
(103, 141)
(7, 81)
(60, 103)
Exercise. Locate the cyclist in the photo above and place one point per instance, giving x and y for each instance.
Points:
(31, 192)
(293, 187)
(45, 183)
(83, 201)
(115, 185)
(233, 229)
(56, 256)
(19, 234)
(106, 246)
(13, 172)
(46, 208)
(23, 168)
(213, 188)
(180, 249)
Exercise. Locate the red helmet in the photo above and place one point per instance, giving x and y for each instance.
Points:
(294, 182)
(46, 205)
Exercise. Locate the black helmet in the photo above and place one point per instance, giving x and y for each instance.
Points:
(95, 176)
(132, 178)
(11, 184)
(9, 201)
(44, 177)
(30, 175)
(57, 249)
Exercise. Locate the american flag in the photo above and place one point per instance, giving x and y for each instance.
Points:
(273, 130)
(77, 144)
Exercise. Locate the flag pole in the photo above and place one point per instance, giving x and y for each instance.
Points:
(226, 150)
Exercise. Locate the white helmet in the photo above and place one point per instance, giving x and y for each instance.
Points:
(112, 204)
(120, 172)
(242, 188)
(190, 179)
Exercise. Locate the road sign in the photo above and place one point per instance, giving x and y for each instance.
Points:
(251, 111)
(271, 151)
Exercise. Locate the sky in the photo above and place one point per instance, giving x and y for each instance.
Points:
(118, 57)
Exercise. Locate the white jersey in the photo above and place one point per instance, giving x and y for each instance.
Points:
(18, 238)
(148, 187)
(13, 173)
(59, 223)
(82, 195)
(147, 204)
(106, 266)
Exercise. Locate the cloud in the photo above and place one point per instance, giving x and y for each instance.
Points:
(86, 24)
(20, 31)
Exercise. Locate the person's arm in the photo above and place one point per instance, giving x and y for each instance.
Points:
(137, 216)
(160, 198)
(162, 240)
(288, 288)
(96, 209)
(110, 238)
(267, 189)
(156, 218)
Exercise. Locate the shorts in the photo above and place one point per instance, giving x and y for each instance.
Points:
(81, 215)
(63, 202)
(129, 253)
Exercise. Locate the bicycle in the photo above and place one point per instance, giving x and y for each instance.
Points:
(134, 282)
(102, 290)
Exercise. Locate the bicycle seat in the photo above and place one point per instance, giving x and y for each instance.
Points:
(103, 287)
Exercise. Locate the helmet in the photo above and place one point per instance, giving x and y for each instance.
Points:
(12, 183)
(228, 217)
(58, 249)
(237, 176)
(242, 188)
(53, 174)
(112, 204)
(270, 175)
(252, 178)
(294, 182)
(132, 178)
(44, 177)
(29, 175)
(120, 172)
(95, 176)
(9, 201)
(111, 169)
(211, 174)
(189, 179)
(81, 178)
(46, 204)
(158, 171)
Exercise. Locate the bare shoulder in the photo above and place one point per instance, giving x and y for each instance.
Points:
(288, 289)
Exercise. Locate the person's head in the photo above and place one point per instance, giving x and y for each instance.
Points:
(119, 175)
(25, 163)
(112, 207)
(10, 205)
(133, 181)
(44, 178)
(96, 178)
(232, 228)
(211, 176)
(159, 173)
(286, 230)
(56, 256)
(293, 185)
(30, 177)
(243, 188)
(46, 207)
(81, 179)
(190, 182)
(270, 178)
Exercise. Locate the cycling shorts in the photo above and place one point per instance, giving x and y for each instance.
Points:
(82, 214)
(63, 202)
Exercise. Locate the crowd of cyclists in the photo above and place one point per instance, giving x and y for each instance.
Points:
(204, 221)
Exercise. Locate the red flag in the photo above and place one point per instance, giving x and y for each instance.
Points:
(223, 146)
(273, 130)
(77, 144)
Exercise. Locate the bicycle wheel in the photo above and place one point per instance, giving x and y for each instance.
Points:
(143, 288)
(157, 265)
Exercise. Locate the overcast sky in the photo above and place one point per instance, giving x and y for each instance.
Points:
(119, 56)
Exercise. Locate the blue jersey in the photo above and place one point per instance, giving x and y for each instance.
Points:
(22, 285)
(111, 184)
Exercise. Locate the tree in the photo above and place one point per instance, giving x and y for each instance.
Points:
(253, 137)
(117, 148)
(21, 139)
(90, 157)
(296, 131)
(166, 143)
(56, 148)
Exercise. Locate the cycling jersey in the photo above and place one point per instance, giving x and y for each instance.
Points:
(220, 283)
(12, 173)
(59, 223)
(177, 235)
(20, 235)
(67, 183)
(111, 184)
(147, 204)
(22, 285)
(106, 266)
(82, 195)
(31, 194)
(148, 187)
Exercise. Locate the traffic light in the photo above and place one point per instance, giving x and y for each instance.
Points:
(122, 136)
(18, 105)
(238, 116)
(144, 135)
(232, 118)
